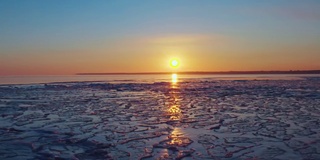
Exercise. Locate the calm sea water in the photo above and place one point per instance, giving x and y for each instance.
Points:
(143, 78)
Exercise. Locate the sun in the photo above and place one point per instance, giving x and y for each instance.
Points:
(174, 63)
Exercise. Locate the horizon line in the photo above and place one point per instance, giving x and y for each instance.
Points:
(211, 72)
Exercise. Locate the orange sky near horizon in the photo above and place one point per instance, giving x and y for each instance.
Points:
(154, 60)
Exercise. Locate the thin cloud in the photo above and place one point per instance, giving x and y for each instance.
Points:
(188, 39)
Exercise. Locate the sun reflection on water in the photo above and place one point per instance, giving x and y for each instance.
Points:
(174, 78)
(174, 109)
(174, 112)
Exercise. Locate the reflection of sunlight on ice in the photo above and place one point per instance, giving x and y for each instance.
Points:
(176, 141)
(177, 132)
(175, 118)
(175, 112)
(176, 137)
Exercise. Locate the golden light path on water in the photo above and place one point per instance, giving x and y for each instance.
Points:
(177, 140)
(176, 137)
(174, 78)
(174, 110)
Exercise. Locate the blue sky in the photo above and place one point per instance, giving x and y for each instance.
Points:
(255, 29)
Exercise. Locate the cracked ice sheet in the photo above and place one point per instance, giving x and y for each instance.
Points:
(211, 119)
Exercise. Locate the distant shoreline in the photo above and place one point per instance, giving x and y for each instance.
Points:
(201, 72)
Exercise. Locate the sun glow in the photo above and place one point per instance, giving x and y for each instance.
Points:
(174, 63)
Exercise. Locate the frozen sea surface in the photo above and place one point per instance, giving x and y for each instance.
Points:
(196, 119)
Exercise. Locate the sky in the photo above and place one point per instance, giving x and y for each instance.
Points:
(46, 37)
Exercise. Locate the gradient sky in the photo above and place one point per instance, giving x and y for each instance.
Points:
(75, 36)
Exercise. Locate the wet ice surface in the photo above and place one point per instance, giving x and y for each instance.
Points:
(224, 119)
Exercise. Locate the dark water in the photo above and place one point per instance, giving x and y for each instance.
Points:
(139, 78)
